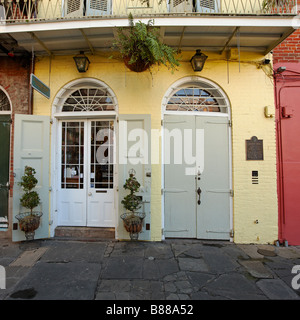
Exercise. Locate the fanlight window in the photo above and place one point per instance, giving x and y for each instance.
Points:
(196, 98)
(89, 99)
(4, 102)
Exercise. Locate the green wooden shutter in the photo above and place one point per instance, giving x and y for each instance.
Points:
(31, 148)
(5, 122)
(134, 153)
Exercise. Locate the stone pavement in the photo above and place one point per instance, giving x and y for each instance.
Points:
(169, 270)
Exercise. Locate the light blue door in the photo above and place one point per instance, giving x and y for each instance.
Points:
(31, 148)
(196, 177)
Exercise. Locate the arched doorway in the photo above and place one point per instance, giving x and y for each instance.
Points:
(84, 113)
(197, 161)
(5, 122)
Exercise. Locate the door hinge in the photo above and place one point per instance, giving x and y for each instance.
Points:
(161, 122)
(231, 192)
(162, 191)
(230, 123)
(231, 233)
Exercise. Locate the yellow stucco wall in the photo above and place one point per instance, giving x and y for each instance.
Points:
(249, 90)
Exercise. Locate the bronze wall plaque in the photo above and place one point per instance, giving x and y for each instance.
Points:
(254, 149)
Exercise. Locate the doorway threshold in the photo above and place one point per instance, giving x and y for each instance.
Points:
(84, 233)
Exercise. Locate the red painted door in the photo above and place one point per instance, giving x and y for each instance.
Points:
(288, 138)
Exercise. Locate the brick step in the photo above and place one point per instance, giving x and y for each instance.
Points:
(89, 233)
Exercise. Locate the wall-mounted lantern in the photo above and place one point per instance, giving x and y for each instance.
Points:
(198, 60)
(82, 62)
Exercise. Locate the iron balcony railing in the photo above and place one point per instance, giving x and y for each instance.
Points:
(21, 11)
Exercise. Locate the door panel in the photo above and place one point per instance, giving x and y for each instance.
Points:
(5, 122)
(98, 7)
(31, 148)
(208, 6)
(290, 166)
(181, 6)
(180, 188)
(71, 196)
(213, 220)
(101, 174)
(72, 8)
(135, 153)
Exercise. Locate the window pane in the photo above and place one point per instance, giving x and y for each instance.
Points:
(194, 98)
(102, 133)
(72, 158)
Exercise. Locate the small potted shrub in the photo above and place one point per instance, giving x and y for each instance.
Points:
(141, 48)
(132, 219)
(29, 221)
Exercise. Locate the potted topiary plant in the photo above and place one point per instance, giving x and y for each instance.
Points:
(132, 219)
(141, 48)
(29, 221)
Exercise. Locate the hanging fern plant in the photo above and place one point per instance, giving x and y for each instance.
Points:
(141, 48)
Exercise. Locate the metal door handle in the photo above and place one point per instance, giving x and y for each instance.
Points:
(199, 194)
(89, 194)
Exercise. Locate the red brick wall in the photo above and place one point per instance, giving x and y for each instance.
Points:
(288, 50)
(15, 79)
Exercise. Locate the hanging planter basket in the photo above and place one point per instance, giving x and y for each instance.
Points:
(29, 222)
(133, 223)
(138, 66)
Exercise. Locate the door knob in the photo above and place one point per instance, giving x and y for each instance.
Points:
(199, 194)
(89, 194)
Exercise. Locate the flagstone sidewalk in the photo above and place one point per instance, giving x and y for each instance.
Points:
(169, 270)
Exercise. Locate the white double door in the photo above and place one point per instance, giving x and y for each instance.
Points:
(85, 180)
(197, 177)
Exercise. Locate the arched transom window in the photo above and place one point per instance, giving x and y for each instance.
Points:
(4, 102)
(89, 99)
(198, 97)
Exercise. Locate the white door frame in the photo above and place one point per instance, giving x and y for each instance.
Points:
(58, 115)
(175, 86)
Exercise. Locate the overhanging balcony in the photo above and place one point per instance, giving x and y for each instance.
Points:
(55, 27)
(14, 11)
